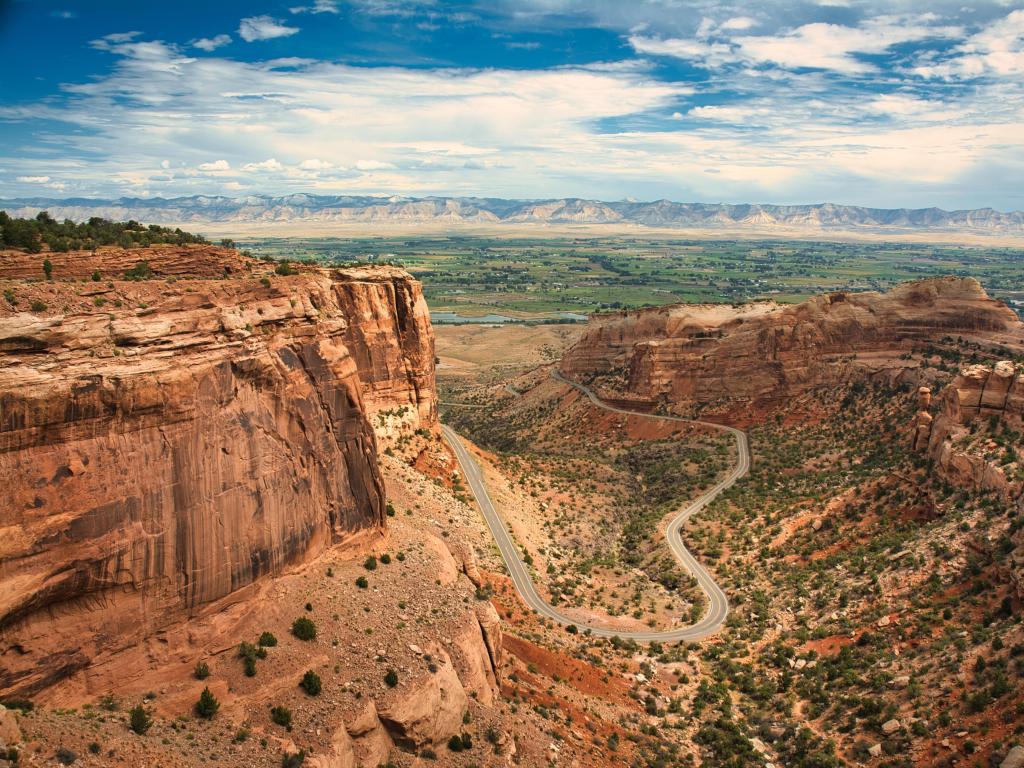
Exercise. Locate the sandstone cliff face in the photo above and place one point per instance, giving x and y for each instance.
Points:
(971, 439)
(975, 441)
(161, 457)
(764, 353)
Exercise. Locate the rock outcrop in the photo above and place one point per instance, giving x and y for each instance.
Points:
(111, 262)
(974, 442)
(164, 452)
(429, 710)
(10, 733)
(968, 439)
(764, 354)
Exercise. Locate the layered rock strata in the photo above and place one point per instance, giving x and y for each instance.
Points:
(161, 456)
(764, 353)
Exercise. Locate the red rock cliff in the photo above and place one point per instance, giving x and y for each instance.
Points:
(764, 353)
(162, 455)
(974, 439)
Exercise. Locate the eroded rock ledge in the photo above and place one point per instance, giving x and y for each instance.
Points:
(763, 353)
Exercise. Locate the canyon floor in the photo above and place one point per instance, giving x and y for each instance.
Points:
(873, 619)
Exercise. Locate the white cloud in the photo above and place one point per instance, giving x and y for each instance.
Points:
(263, 28)
(216, 165)
(811, 46)
(997, 50)
(211, 43)
(33, 179)
(832, 46)
(738, 23)
(270, 164)
(704, 54)
(109, 42)
(315, 165)
(372, 165)
(319, 6)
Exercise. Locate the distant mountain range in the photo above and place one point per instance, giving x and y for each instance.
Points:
(341, 210)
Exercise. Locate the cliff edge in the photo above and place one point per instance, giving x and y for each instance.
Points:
(166, 442)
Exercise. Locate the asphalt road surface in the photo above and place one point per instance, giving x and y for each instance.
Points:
(718, 605)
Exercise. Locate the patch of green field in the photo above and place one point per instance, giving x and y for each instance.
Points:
(538, 277)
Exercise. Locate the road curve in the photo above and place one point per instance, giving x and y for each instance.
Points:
(718, 604)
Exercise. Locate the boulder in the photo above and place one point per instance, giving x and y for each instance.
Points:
(1014, 758)
(890, 727)
(428, 710)
(10, 733)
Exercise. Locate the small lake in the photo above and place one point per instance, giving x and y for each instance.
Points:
(456, 318)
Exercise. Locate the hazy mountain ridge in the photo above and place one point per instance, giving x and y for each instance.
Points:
(481, 211)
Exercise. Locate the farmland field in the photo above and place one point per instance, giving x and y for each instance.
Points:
(540, 278)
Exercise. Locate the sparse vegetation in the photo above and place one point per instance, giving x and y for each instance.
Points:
(304, 629)
(207, 705)
(310, 683)
(139, 720)
(281, 716)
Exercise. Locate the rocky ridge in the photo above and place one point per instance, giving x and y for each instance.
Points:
(346, 209)
(759, 356)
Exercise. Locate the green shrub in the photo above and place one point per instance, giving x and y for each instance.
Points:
(391, 678)
(371, 563)
(267, 640)
(281, 716)
(141, 271)
(362, 582)
(139, 720)
(65, 756)
(284, 268)
(96, 276)
(385, 558)
(249, 653)
(38, 306)
(294, 759)
(311, 683)
(48, 269)
(390, 509)
(304, 628)
(22, 705)
(202, 670)
(207, 705)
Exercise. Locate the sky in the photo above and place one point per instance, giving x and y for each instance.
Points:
(886, 104)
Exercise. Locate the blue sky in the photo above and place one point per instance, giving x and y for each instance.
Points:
(849, 101)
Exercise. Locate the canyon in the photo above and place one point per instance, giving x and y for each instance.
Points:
(204, 456)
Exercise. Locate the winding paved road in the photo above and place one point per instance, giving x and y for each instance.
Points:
(520, 574)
